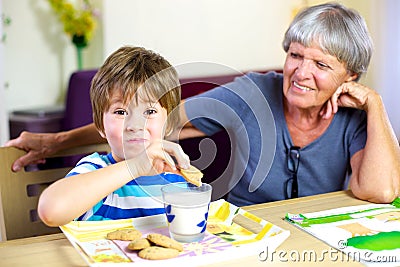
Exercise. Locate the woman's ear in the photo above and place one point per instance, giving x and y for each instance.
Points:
(353, 77)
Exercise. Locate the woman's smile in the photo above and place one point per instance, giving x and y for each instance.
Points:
(301, 87)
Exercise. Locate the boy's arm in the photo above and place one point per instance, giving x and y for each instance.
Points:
(68, 198)
(41, 145)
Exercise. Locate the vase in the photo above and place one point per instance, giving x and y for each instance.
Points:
(79, 57)
(80, 42)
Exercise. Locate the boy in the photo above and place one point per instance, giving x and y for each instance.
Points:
(133, 97)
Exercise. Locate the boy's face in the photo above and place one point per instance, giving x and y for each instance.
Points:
(130, 129)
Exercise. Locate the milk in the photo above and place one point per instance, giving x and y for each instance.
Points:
(187, 211)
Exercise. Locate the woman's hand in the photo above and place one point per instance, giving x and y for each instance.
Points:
(41, 145)
(349, 94)
(158, 158)
(37, 145)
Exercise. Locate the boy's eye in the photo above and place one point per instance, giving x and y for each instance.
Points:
(120, 112)
(150, 111)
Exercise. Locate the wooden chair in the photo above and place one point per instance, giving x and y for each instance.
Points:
(20, 191)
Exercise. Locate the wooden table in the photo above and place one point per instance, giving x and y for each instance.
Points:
(55, 250)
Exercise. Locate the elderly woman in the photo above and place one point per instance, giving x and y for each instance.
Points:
(327, 125)
(299, 133)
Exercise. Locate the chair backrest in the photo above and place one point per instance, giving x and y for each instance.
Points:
(20, 191)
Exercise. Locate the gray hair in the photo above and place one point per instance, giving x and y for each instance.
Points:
(339, 31)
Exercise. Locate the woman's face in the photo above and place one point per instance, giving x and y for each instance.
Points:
(311, 76)
(130, 129)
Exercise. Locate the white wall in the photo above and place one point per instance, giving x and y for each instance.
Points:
(386, 64)
(39, 57)
(4, 132)
(244, 35)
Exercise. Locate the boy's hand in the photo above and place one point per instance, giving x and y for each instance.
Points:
(157, 158)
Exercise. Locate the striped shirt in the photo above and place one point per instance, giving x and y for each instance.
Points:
(138, 198)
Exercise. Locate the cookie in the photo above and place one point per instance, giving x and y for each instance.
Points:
(164, 241)
(124, 234)
(139, 244)
(158, 253)
(192, 175)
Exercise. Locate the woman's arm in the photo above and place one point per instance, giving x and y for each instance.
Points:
(41, 145)
(376, 168)
(185, 129)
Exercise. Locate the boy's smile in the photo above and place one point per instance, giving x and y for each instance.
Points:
(130, 129)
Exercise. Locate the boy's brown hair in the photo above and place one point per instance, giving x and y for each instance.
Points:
(136, 72)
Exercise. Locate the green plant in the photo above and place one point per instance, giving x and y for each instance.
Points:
(79, 23)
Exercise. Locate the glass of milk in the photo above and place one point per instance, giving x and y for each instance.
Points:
(186, 208)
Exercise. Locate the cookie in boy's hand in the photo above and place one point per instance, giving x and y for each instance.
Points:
(124, 234)
(192, 175)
